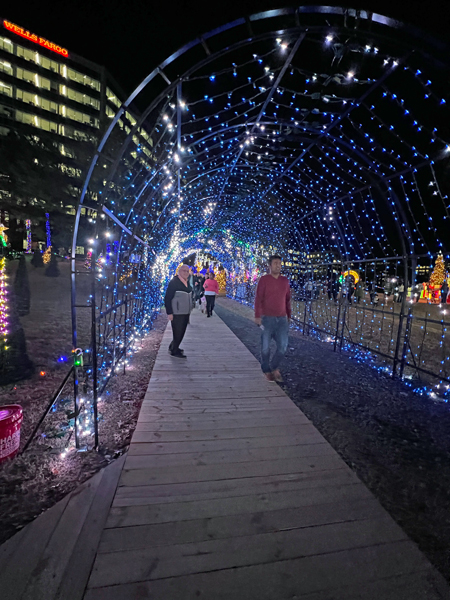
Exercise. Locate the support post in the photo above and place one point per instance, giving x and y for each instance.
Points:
(94, 348)
(125, 333)
(401, 316)
(179, 100)
(406, 341)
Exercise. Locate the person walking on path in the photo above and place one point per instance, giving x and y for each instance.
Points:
(211, 290)
(177, 287)
(359, 292)
(272, 314)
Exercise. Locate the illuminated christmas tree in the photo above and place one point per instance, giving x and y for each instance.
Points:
(438, 274)
(47, 255)
(221, 278)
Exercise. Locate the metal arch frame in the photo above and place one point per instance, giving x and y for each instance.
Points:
(374, 17)
(159, 70)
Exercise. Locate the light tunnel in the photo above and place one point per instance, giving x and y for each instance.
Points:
(319, 130)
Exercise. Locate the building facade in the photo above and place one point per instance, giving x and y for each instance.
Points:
(45, 87)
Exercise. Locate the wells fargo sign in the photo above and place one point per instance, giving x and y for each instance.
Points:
(34, 38)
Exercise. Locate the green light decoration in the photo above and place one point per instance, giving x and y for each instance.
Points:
(78, 358)
(3, 238)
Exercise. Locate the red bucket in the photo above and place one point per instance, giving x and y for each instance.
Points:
(11, 417)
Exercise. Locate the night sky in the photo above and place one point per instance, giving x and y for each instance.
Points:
(130, 37)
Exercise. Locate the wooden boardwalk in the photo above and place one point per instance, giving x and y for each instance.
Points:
(228, 492)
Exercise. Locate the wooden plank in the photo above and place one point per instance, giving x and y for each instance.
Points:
(168, 394)
(202, 509)
(284, 414)
(221, 434)
(229, 456)
(218, 403)
(118, 539)
(203, 408)
(168, 448)
(264, 548)
(76, 576)
(227, 488)
(178, 474)
(282, 579)
(199, 424)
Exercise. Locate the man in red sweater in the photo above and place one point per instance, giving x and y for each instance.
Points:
(272, 314)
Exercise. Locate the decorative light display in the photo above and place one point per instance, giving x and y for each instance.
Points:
(28, 228)
(438, 275)
(221, 277)
(88, 261)
(3, 305)
(48, 230)
(327, 149)
(46, 257)
(3, 236)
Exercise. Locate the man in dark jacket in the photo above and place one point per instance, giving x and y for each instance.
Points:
(180, 321)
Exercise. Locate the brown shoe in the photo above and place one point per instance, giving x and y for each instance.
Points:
(269, 377)
(277, 376)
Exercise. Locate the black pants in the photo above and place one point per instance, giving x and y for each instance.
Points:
(179, 324)
(210, 301)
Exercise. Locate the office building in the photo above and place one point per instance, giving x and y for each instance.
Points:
(44, 86)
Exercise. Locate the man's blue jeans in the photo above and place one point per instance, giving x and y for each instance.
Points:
(278, 329)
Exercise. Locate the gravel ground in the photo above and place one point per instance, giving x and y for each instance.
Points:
(33, 482)
(397, 442)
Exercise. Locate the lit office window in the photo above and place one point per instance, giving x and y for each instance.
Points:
(36, 121)
(6, 89)
(27, 97)
(91, 101)
(48, 105)
(51, 65)
(83, 79)
(79, 97)
(76, 115)
(6, 67)
(48, 125)
(34, 78)
(26, 54)
(25, 75)
(130, 118)
(109, 112)
(6, 44)
(26, 118)
(113, 98)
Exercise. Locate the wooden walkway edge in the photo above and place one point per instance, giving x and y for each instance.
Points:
(52, 557)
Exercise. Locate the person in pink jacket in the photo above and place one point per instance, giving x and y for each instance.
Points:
(211, 290)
